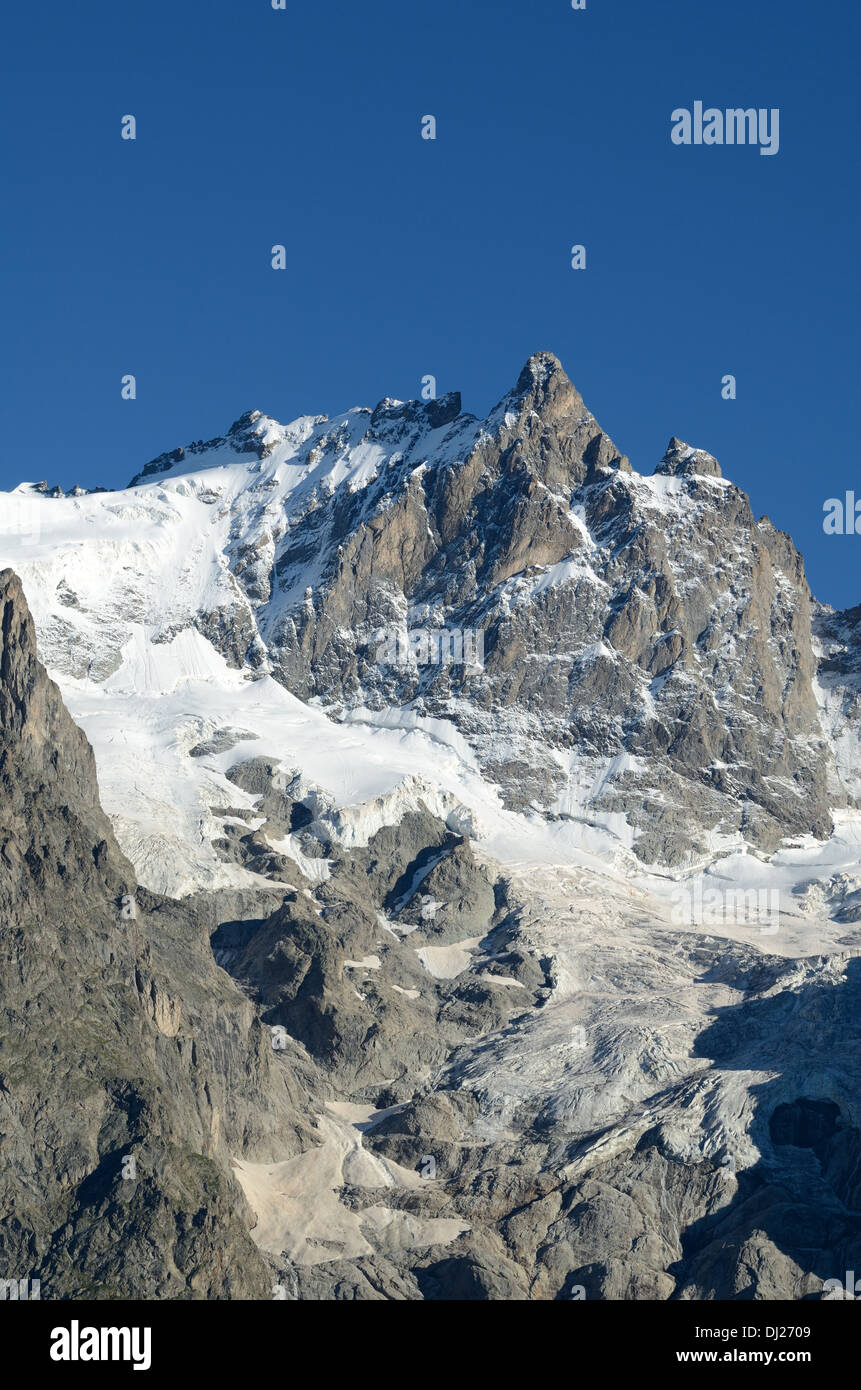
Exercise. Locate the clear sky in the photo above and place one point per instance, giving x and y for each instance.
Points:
(452, 257)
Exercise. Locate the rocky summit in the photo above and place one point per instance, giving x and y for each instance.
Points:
(430, 868)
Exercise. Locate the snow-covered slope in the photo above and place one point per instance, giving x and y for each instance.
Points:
(130, 588)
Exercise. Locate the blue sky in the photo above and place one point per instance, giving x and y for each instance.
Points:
(450, 257)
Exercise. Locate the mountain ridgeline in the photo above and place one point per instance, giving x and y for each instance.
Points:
(646, 632)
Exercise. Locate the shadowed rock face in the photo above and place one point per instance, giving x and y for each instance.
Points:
(122, 1047)
(339, 969)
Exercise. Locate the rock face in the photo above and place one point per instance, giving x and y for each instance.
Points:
(649, 620)
(361, 1058)
(130, 1067)
(645, 626)
(377, 977)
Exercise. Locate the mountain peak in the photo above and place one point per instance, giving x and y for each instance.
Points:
(682, 459)
(545, 415)
(252, 434)
(539, 371)
(435, 413)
